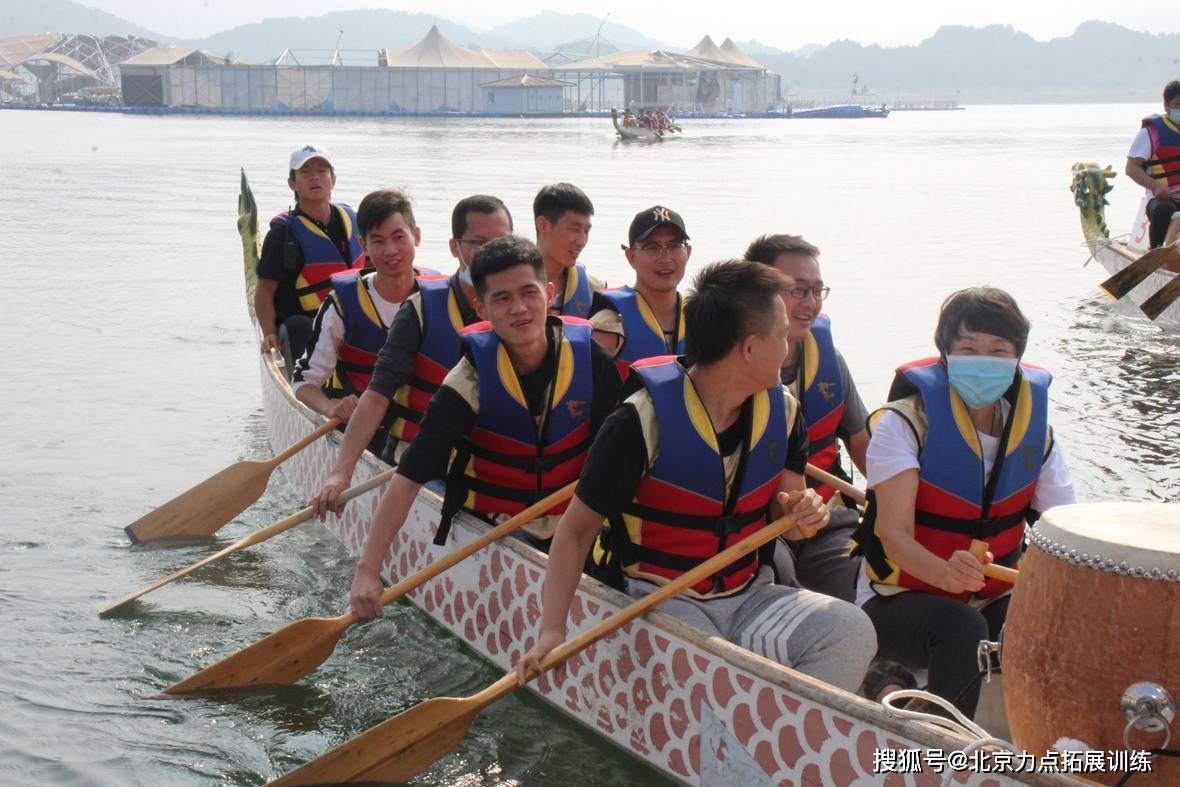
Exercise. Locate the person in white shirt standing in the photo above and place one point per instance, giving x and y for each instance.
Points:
(351, 326)
(962, 451)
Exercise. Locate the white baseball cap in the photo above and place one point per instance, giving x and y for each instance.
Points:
(306, 154)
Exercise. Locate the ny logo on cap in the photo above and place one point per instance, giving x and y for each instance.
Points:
(661, 214)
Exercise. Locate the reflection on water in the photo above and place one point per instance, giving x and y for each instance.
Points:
(138, 380)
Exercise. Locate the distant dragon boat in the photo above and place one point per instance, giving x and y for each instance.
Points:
(840, 111)
(1091, 184)
(697, 708)
(634, 132)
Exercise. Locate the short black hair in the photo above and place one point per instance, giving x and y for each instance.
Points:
(500, 255)
(476, 203)
(1171, 91)
(983, 310)
(377, 206)
(557, 199)
(729, 301)
(767, 248)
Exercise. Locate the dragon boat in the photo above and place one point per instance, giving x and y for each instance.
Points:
(695, 707)
(1091, 184)
(633, 132)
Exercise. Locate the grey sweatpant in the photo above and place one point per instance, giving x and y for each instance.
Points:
(820, 636)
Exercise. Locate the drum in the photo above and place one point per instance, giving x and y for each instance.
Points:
(1097, 613)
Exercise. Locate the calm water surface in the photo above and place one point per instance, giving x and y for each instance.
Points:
(137, 378)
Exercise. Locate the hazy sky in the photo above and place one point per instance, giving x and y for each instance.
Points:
(787, 25)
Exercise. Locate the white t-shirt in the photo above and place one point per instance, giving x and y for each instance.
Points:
(1141, 148)
(318, 363)
(893, 449)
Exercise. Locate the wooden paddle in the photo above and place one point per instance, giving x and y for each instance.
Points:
(257, 537)
(208, 506)
(837, 483)
(1154, 306)
(396, 749)
(1129, 277)
(296, 649)
(991, 570)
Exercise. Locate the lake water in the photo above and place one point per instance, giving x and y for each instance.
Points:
(124, 284)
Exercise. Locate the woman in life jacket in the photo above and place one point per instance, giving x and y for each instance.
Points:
(962, 451)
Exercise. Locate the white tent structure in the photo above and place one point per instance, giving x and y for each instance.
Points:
(434, 75)
(60, 62)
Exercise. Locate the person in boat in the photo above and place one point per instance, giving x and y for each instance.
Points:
(422, 346)
(562, 214)
(817, 374)
(962, 450)
(302, 249)
(700, 457)
(352, 323)
(647, 319)
(1154, 163)
(519, 410)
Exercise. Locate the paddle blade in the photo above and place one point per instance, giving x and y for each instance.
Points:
(394, 750)
(1154, 306)
(282, 658)
(1118, 285)
(207, 507)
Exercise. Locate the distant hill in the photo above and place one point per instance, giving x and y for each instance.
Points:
(548, 29)
(64, 16)
(363, 30)
(1098, 62)
(994, 64)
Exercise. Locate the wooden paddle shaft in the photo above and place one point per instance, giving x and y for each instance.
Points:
(304, 442)
(991, 570)
(542, 506)
(1164, 297)
(507, 684)
(837, 483)
(258, 536)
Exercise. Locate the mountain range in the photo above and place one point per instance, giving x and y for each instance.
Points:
(1100, 61)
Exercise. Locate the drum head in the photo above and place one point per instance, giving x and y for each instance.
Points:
(1136, 539)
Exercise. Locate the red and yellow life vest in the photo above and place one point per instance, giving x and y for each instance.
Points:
(364, 336)
(321, 257)
(822, 398)
(442, 322)
(510, 461)
(1164, 164)
(684, 511)
(955, 502)
(642, 335)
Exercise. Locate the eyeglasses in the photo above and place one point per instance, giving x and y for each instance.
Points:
(799, 293)
(475, 243)
(673, 248)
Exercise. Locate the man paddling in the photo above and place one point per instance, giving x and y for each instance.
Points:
(422, 346)
(646, 320)
(519, 410)
(562, 215)
(303, 247)
(816, 373)
(698, 459)
(351, 325)
(1154, 163)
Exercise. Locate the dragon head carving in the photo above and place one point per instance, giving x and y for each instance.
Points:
(1091, 184)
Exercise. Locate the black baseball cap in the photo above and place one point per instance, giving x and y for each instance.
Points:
(647, 221)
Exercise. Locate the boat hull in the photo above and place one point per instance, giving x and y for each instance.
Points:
(699, 709)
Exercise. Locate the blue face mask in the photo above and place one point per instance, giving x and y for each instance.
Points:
(1174, 115)
(980, 379)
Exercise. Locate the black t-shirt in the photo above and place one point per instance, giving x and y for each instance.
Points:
(395, 362)
(618, 459)
(448, 417)
(273, 263)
